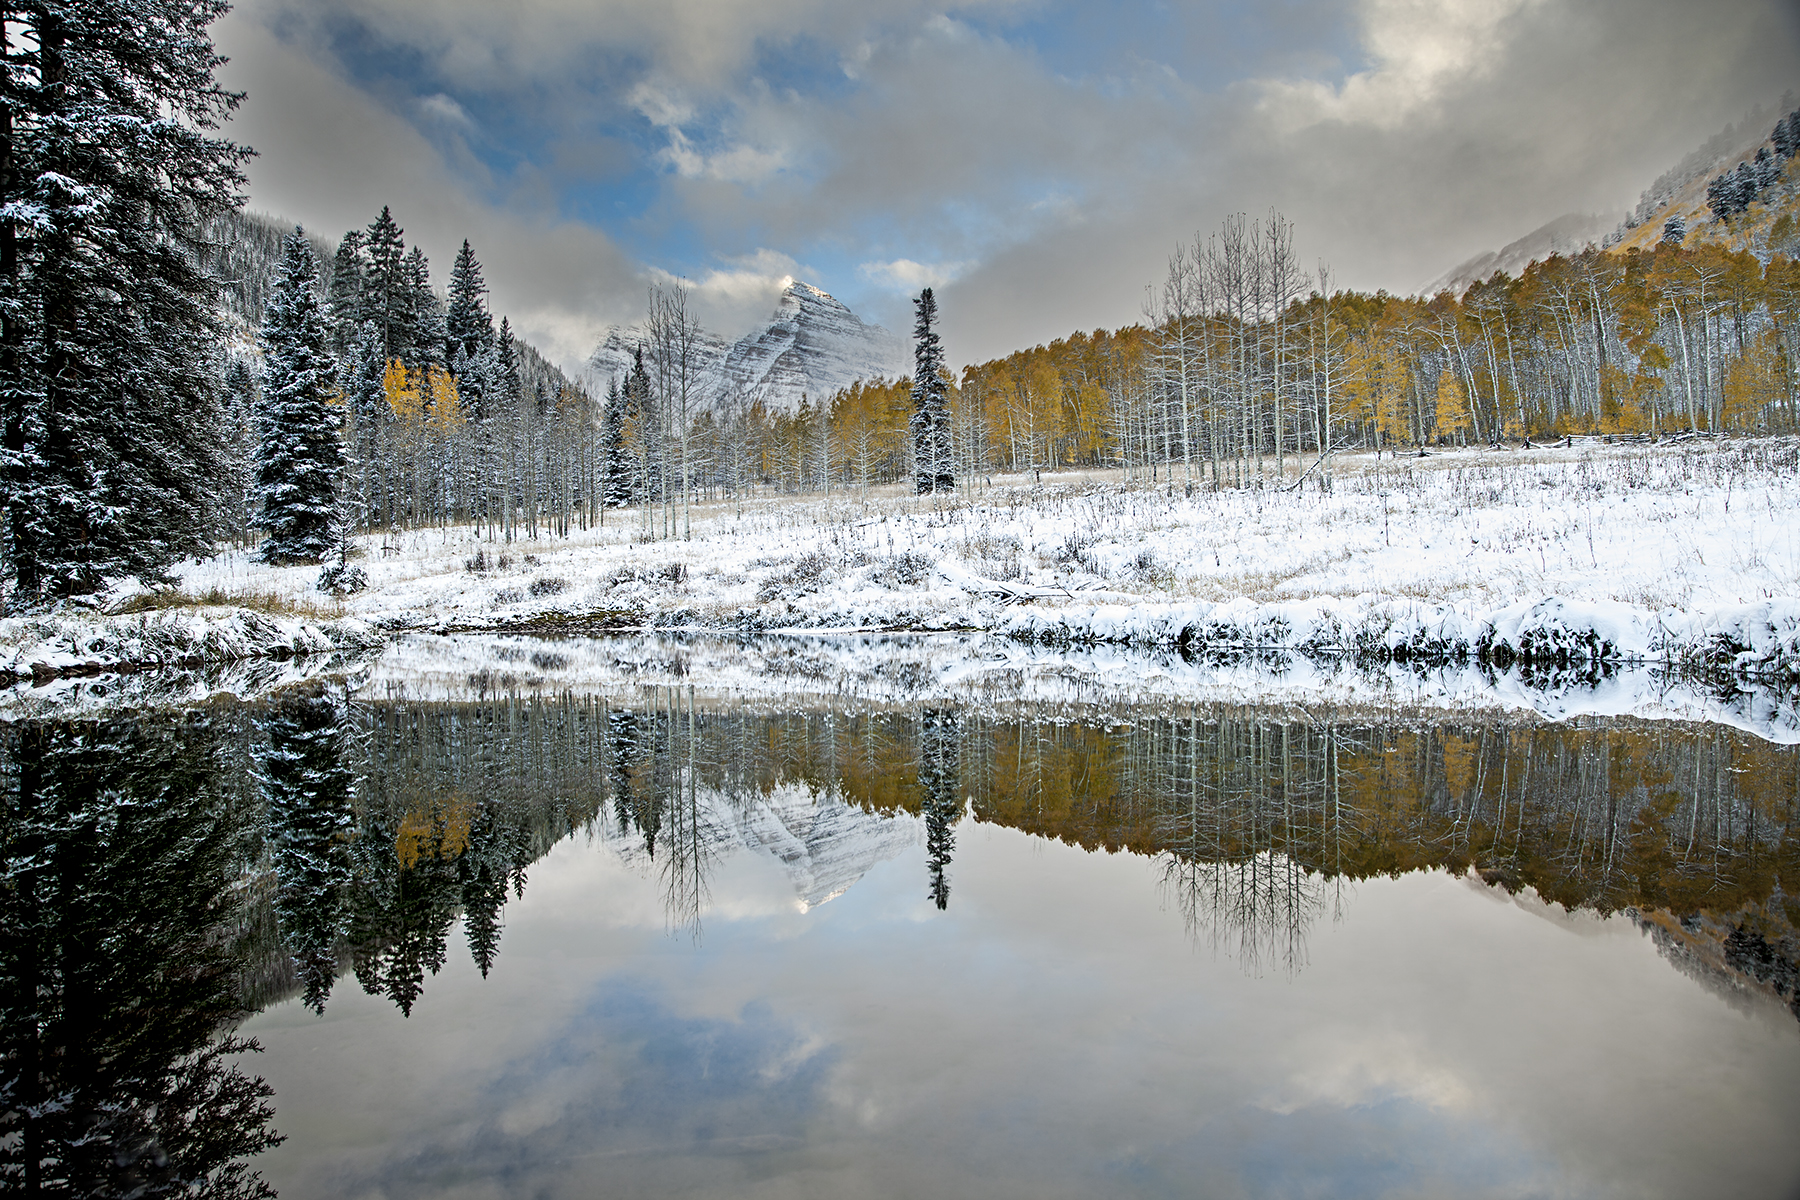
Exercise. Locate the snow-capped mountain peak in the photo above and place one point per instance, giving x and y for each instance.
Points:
(811, 346)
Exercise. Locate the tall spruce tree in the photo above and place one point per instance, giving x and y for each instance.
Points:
(348, 271)
(425, 333)
(467, 324)
(386, 293)
(369, 415)
(111, 442)
(615, 469)
(930, 423)
(301, 460)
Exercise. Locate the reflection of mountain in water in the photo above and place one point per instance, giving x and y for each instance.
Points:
(823, 844)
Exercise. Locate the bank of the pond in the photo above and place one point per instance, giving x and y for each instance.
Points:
(75, 642)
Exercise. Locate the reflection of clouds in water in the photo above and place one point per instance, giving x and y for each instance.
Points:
(1390, 1146)
(630, 1090)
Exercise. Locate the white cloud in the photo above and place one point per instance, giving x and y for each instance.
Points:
(905, 275)
(1417, 48)
(741, 292)
(444, 108)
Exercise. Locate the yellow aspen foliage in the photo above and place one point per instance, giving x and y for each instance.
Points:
(436, 829)
(443, 404)
(1754, 384)
(1459, 765)
(404, 399)
(1451, 408)
(1624, 406)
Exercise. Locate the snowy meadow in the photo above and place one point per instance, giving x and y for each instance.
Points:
(1587, 550)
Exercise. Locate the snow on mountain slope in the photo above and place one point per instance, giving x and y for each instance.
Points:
(1570, 233)
(811, 346)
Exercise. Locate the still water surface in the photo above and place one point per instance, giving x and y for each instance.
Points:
(644, 945)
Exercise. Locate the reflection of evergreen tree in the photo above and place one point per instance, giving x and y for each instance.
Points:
(310, 814)
(939, 742)
(120, 846)
(638, 804)
(401, 916)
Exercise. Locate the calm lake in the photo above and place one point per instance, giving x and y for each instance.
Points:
(525, 938)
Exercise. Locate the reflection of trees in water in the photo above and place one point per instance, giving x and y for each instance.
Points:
(456, 802)
(123, 942)
(940, 780)
(656, 772)
(387, 822)
(310, 792)
(1258, 910)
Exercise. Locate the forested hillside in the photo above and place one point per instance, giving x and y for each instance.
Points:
(446, 417)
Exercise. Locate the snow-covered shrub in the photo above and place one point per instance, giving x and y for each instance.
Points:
(807, 574)
(907, 569)
(506, 596)
(342, 579)
(549, 585)
(1075, 551)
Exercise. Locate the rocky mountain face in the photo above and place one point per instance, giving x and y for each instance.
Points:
(811, 346)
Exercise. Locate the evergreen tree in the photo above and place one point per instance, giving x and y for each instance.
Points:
(508, 388)
(386, 291)
(111, 446)
(1674, 230)
(425, 321)
(1787, 135)
(615, 464)
(302, 456)
(930, 424)
(369, 416)
(467, 324)
(240, 425)
(940, 778)
(348, 272)
(1766, 168)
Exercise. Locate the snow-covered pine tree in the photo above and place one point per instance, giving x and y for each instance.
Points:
(369, 415)
(239, 484)
(1787, 135)
(507, 386)
(300, 462)
(111, 446)
(1674, 230)
(425, 330)
(930, 423)
(387, 292)
(636, 395)
(467, 324)
(349, 267)
(1767, 168)
(615, 468)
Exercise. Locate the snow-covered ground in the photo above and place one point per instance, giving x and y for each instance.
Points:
(1653, 550)
(1662, 553)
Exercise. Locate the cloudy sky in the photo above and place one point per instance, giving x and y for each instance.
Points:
(1036, 160)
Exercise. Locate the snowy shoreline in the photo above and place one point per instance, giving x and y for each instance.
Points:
(1674, 556)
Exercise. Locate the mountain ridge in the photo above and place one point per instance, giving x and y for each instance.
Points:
(811, 346)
